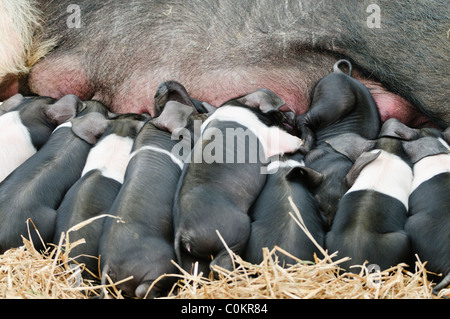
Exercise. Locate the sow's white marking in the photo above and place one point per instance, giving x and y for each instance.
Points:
(110, 155)
(274, 140)
(15, 143)
(387, 174)
(429, 167)
(174, 159)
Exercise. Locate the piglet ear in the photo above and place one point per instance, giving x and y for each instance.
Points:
(360, 163)
(423, 147)
(93, 106)
(339, 62)
(64, 109)
(313, 177)
(264, 99)
(11, 103)
(139, 124)
(446, 135)
(351, 145)
(208, 108)
(172, 91)
(90, 127)
(394, 128)
(306, 133)
(174, 116)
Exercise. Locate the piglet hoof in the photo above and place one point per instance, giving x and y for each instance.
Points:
(161, 97)
(223, 261)
(75, 279)
(443, 284)
(304, 149)
(142, 291)
(103, 295)
(336, 67)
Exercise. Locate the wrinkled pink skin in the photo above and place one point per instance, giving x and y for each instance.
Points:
(56, 79)
(58, 76)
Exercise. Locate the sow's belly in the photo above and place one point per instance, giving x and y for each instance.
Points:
(292, 84)
(120, 52)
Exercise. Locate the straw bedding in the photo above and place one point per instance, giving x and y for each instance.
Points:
(29, 274)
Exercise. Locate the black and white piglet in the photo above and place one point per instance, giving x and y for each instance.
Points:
(141, 244)
(271, 223)
(36, 188)
(340, 104)
(224, 176)
(428, 224)
(370, 219)
(94, 193)
(27, 124)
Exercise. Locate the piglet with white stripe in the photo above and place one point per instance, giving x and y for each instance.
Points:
(141, 243)
(94, 193)
(341, 104)
(271, 223)
(371, 216)
(36, 188)
(27, 124)
(225, 175)
(428, 224)
(429, 204)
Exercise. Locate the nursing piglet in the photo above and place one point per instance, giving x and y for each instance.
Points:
(371, 216)
(340, 104)
(94, 193)
(36, 188)
(27, 125)
(429, 220)
(428, 224)
(140, 244)
(271, 223)
(225, 174)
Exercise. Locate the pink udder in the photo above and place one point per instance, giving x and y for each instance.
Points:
(391, 105)
(60, 76)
